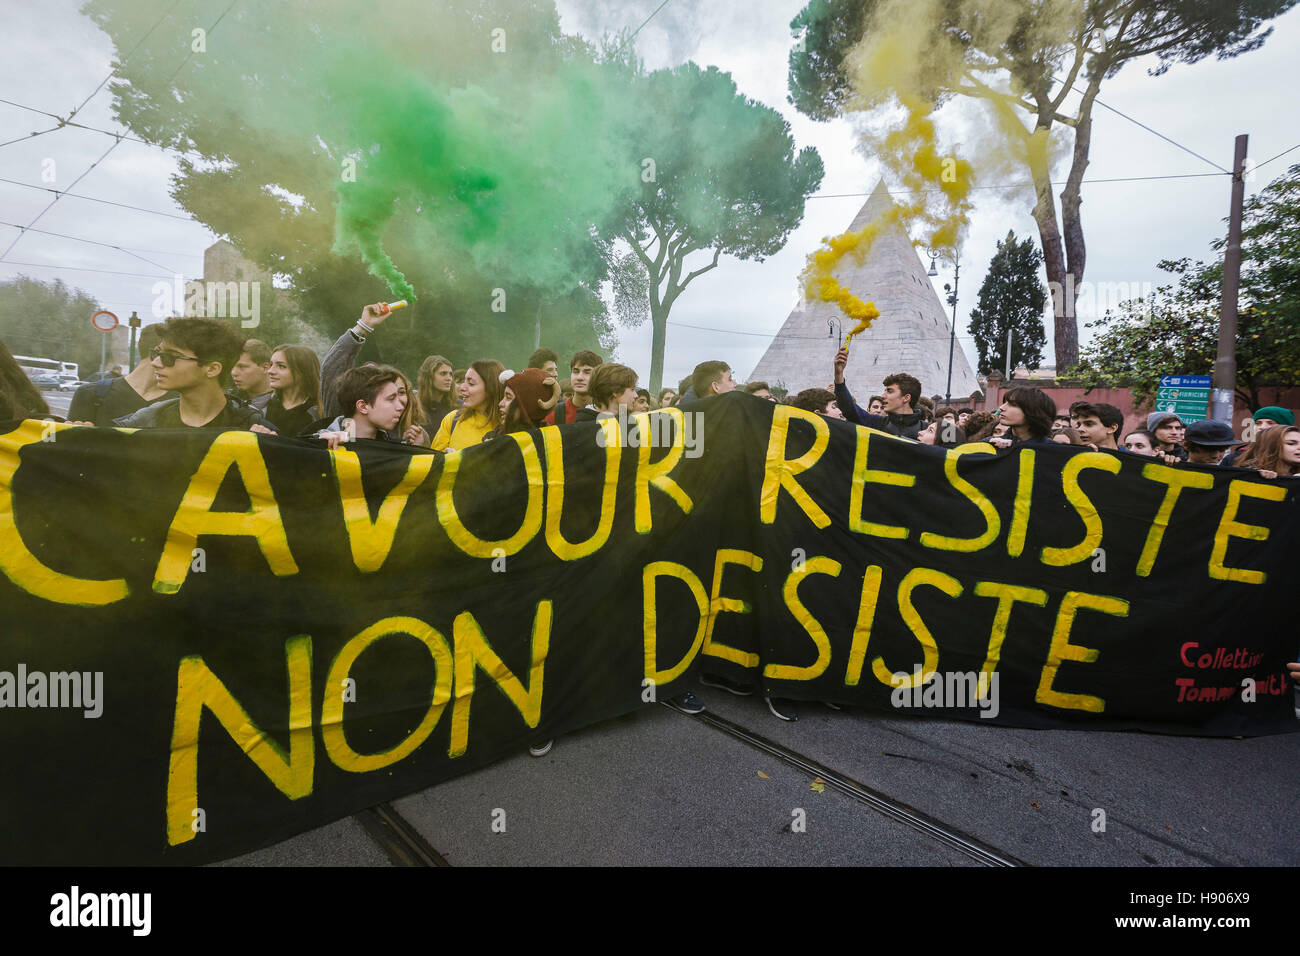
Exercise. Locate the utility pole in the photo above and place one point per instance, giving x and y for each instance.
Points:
(132, 359)
(1225, 368)
(1008, 375)
(952, 339)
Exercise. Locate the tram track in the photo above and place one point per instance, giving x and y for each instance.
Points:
(395, 835)
(882, 803)
(404, 845)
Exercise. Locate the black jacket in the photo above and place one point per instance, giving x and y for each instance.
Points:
(236, 414)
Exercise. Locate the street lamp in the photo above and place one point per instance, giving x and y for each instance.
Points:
(952, 301)
(834, 330)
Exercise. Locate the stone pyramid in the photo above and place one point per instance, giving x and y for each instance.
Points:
(911, 335)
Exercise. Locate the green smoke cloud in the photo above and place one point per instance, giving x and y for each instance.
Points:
(456, 139)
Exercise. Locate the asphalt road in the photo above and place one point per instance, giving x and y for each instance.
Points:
(661, 788)
(58, 402)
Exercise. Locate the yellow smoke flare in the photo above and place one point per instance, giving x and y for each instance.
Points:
(911, 152)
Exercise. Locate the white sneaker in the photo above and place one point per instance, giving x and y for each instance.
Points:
(541, 750)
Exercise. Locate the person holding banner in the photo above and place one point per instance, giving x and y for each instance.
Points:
(1264, 419)
(1277, 453)
(529, 397)
(1169, 431)
(193, 359)
(480, 413)
(101, 403)
(378, 401)
(1029, 414)
(295, 382)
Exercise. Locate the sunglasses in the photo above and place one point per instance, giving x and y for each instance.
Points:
(169, 357)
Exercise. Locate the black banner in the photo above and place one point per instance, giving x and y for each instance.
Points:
(215, 640)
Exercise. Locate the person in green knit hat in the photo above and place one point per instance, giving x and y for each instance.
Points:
(1265, 418)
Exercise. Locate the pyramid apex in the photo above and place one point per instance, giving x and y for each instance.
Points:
(913, 333)
(876, 205)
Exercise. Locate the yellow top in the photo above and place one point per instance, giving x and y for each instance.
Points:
(470, 430)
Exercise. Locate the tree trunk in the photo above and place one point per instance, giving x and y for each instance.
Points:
(1049, 235)
(1067, 338)
(659, 338)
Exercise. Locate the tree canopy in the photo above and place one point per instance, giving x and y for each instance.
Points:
(1022, 60)
(1178, 332)
(1011, 297)
(723, 178)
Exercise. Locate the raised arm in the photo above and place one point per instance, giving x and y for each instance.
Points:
(853, 412)
(343, 355)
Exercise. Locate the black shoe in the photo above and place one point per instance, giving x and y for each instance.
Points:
(541, 750)
(782, 709)
(687, 703)
(832, 706)
(731, 687)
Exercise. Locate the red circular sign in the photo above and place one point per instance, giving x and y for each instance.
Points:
(104, 325)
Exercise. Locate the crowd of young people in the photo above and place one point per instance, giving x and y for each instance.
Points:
(201, 373)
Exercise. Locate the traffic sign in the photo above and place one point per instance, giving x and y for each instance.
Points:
(1187, 396)
(104, 324)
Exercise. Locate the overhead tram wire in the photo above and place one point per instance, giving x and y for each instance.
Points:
(1167, 139)
(63, 122)
(108, 202)
(23, 229)
(645, 21)
(95, 242)
(117, 139)
(1057, 182)
(111, 272)
(771, 335)
(111, 73)
(1278, 156)
(67, 121)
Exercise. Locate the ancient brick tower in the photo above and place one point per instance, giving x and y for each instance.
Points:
(911, 335)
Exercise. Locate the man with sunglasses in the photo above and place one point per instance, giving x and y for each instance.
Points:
(193, 359)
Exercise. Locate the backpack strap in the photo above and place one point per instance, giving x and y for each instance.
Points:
(98, 395)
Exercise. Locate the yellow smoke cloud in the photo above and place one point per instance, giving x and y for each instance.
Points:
(937, 187)
(906, 58)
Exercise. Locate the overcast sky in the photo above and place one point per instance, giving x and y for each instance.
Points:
(52, 57)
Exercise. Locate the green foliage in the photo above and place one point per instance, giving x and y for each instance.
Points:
(719, 174)
(1011, 297)
(1032, 49)
(401, 149)
(49, 320)
(631, 290)
(828, 29)
(1178, 333)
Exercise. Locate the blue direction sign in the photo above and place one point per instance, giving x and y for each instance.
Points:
(1187, 396)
